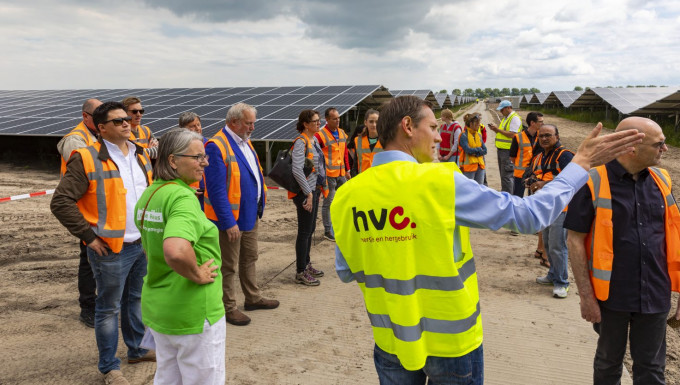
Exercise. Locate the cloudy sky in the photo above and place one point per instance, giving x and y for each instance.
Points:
(401, 44)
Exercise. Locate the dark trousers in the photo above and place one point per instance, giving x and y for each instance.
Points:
(87, 287)
(306, 228)
(518, 187)
(647, 333)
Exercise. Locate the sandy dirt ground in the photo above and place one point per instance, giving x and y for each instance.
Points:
(319, 335)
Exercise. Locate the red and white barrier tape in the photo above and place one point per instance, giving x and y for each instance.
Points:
(50, 192)
(24, 196)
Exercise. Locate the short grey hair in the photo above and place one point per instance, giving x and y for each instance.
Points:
(236, 111)
(185, 118)
(175, 141)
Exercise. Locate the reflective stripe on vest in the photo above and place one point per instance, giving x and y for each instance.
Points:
(106, 209)
(335, 152)
(84, 132)
(364, 152)
(502, 141)
(413, 265)
(469, 163)
(545, 170)
(233, 179)
(142, 137)
(524, 152)
(599, 242)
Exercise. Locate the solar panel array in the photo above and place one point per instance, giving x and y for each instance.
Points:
(56, 112)
(628, 100)
(539, 97)
(564, 98)
(443, 99)
(423, 94)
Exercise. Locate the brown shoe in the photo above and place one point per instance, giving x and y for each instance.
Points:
(150, 356)
(235, 317)
(262, 304)
(115, 377)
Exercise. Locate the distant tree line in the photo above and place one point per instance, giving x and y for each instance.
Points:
(493, 92)
(579, 88)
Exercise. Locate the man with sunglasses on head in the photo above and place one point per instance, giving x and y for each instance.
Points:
(83, 135)
(140, 135)
(89, 203)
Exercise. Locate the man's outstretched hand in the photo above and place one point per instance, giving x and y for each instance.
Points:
(596, 150)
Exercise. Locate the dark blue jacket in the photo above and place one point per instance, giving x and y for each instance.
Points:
(216, 177)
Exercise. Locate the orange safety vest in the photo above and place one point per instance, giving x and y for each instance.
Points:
(552, 166)
(309, 155)
(335, 151)
(448, 133)
(469, 163)
(142, 136)
(233, 177)
(364, 153)
(85, 133)
(600, 241)
(524, 152)
(104, 205)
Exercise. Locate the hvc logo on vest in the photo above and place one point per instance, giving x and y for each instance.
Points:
(368, 219)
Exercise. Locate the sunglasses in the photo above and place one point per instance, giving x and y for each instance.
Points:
(119, 121)
(137, 111)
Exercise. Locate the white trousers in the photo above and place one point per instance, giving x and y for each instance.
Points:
(192, 359)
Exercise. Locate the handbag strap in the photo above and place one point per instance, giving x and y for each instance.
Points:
(147, 204)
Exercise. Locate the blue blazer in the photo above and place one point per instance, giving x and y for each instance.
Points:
(216, 175)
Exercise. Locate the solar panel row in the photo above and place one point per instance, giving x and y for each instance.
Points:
(56, 112)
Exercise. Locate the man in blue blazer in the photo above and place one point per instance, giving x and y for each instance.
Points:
(234, 201)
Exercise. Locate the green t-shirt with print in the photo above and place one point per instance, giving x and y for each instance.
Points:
(172, 304)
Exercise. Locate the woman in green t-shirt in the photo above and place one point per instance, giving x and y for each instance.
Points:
(182, 292)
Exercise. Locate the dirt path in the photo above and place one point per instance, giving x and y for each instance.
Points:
(319, 335)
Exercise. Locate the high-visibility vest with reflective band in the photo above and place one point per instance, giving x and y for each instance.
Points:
(104, 203)
(548, 170)
(599, 243)
(309, 154)
(335, 151)
(85, 133)
(143, 136)
(233, 179)
(502, 141)
(448, 132)
(364, 153)
(469, 163)
(413, 264)
(524, 152)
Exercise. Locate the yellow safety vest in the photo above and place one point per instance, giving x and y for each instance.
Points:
(502, 141)
(413, 264)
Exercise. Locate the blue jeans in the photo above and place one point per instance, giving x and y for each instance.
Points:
(334, 183)
(119, 280)
(477, 176)
(465, 370)
(555, 244)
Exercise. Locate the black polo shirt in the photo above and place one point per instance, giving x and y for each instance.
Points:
(639, 281)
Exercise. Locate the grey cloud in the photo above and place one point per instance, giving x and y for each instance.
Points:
(348, 24)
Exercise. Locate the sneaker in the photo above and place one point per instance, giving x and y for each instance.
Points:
(306, 279)
(329, 236)
(87, 318)
(313, 272)
(514, 233)
(544, 280)
(263, 303)
(560, 292)
(150, 356)
(235, 317)
(115, 377)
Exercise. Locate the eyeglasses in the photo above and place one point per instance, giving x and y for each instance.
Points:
(315, 121)
(119, 121)
(137, 111)
(656, 145)
(545, 136)
(197, 157)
